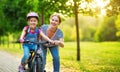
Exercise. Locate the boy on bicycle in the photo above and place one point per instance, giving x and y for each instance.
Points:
(31, 33)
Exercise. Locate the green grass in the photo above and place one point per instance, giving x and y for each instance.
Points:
(15, 49)
(95, 57)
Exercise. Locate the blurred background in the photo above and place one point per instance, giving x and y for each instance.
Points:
(99, 30)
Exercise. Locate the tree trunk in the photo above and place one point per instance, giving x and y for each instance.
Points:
(42, 18)
(77, 30)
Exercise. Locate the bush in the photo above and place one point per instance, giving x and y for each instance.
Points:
(87, 28)
(107, 30)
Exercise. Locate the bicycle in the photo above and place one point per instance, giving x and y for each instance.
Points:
(35, 63)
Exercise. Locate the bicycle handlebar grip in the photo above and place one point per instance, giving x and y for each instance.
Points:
(26, 41)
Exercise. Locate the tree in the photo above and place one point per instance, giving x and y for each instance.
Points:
(47, 7)
(15, 13)
(113, 8)
(3, 22)
(107, 30)
(77, 29)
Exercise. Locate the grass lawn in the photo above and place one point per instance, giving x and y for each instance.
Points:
(95, 57)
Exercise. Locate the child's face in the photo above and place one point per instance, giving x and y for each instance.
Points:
(32, 22)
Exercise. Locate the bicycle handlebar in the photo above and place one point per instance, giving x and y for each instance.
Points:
(30, 42)
(45, 43)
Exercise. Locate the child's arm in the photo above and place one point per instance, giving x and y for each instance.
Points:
(45, 37)
(23, 35)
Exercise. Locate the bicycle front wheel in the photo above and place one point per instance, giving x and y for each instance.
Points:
(38, 65)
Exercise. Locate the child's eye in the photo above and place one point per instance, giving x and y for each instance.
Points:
(34, 20)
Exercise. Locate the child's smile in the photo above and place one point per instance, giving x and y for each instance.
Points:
(32, 22)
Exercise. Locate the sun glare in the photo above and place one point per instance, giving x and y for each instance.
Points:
(70, 2)
(100, 3)
(103, 12)
(94, 4)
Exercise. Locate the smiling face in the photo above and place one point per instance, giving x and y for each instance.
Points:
(32, 22)
(54, 21)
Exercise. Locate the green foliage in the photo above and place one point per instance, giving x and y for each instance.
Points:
(87, 28)
(13, 18)
(113, 8)
(15, 12)
(117, 24)
(69, 29)
(107, 30)
(88, 33)
(67, 32)
(3, 23)
(47, 7)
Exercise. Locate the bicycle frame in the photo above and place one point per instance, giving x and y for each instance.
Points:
(35, 59)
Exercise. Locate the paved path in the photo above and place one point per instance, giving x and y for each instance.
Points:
(8, 63)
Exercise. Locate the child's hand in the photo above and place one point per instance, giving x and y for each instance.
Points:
(21, 40)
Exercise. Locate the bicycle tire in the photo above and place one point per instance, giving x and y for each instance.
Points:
(37, 65)
(30, 63)
(34, 67)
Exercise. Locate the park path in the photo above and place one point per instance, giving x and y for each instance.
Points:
(10, 63)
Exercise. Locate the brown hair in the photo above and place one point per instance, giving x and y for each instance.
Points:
(56, 14)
